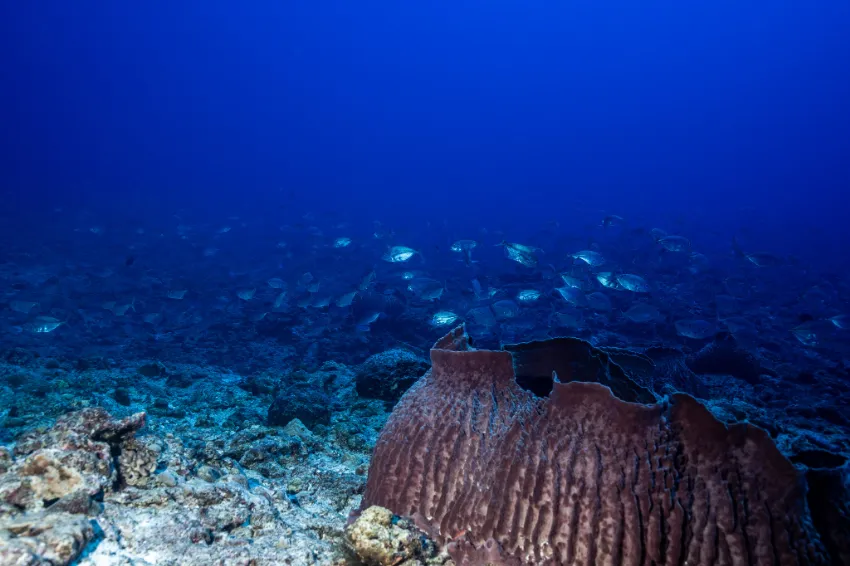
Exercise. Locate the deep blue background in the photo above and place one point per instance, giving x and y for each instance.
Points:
(725, 116)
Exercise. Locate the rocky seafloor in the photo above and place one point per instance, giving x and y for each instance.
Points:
(120, 463)
(139, 463)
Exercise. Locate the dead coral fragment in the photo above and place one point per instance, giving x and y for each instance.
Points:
(36, 539)
(381, 539)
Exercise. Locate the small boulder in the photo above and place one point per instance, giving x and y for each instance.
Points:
(122, 396)
(153, 370)
(309, 405)
(56, 538)
(723, 356)
(379, 538)
(389, 374)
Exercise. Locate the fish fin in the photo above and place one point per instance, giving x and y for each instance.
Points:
(737, 248)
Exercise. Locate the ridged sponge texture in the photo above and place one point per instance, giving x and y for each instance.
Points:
(502, 476)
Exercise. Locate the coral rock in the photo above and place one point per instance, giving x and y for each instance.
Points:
(389, 374)
(309, 405)
(381, 539)
(137, 461)
(54, 539)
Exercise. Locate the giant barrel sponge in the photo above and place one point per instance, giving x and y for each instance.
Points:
(587, 469)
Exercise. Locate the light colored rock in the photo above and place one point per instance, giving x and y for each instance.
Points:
(381, 539)
(38, 539)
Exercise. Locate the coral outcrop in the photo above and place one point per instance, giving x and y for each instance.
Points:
(389, 374)
(55, 481)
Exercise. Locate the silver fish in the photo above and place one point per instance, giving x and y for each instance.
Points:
(505, 309)
(22, 306)
(608, 280)
(634, 283)
(694, 328)
(599, 301)
(643, 313)
(443, 318)
(805, 334)
(528, 295)
(44, 324)
(523, 255)
(426, 289)
(590, 257)
(399, 254)
(573, 296)
(346, 299)
(675, 243)
(246, 294)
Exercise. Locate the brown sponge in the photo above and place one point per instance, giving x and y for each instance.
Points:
(580, 476)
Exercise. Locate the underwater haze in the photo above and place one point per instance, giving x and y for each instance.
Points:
(252, 221)
(731, 114)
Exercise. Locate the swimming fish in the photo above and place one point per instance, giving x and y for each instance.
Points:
(399, 254)
(643, 313)
(694, 328)
(465, 248)
(590, 257)
(246, 294)
(523, 255)
(634, 283)
(528, 295)
(346, 299)
(612, 220)
(598, 301)
(22, 306)
(43, 324)
(367, 281)
(608, 280)
(805, 334)
(426, 289)
(505, 309)
(573, 296)
(675, 243)
(443, 318)
(570, 281)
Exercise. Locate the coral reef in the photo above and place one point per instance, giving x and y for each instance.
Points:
(200, 479)
(102, 464)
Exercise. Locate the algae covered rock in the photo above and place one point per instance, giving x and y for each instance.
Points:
(54, 480)
(389, 374)
(309, 405)
(55, 539)
(380, 538)
(74, 456)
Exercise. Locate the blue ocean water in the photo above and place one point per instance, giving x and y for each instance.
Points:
(476, 121)
(270, 184)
